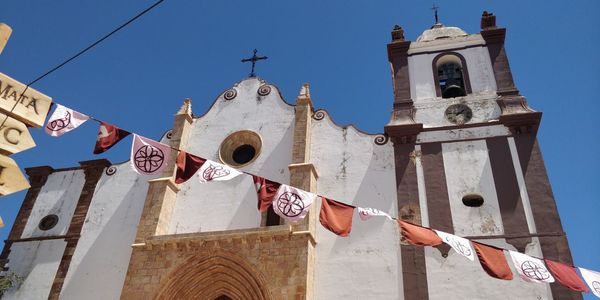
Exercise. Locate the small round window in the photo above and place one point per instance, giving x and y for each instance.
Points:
(472, 200)
(240, 148)
(243, 154)
(48, 222)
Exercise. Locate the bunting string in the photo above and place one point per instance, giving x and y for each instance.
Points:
(150, 157)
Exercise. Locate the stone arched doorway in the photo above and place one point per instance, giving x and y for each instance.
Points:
(217, 276)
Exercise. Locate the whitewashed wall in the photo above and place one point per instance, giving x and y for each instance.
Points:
(58, 196)
(354, 170)
(468, 170)
(456, 277)
(99, 264)
(230, 205)
(36, 262)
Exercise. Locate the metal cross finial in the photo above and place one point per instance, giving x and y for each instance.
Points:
(435, 8)
(254, 59)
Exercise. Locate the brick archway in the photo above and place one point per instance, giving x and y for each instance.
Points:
(212, 276)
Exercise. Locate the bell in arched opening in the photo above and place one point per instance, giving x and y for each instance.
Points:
(451, 80)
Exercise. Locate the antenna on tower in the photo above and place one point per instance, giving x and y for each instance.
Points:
(435, 9)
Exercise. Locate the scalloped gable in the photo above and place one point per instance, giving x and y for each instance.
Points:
(251, 88)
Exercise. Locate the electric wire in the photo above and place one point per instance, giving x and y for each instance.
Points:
(81, 52)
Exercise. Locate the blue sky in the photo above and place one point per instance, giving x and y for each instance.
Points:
(138, 78)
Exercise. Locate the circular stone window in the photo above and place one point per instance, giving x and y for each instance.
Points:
(48, 222)
(472, 200)
(240, 148)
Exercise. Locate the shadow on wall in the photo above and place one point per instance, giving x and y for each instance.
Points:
(101, 259)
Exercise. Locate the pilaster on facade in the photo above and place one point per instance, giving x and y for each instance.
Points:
(303, 175)
(179, 134)
(93, 170)
(162, 192)
(398, 57)
(37, 178)
(516, 113)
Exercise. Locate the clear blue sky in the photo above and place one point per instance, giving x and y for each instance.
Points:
(138, 78)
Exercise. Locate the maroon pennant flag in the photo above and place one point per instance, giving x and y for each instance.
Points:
(493, 261)
(266, 190)
(108, 136)
(566, 275)
(187, 165)
(418, 235)
(336, 216)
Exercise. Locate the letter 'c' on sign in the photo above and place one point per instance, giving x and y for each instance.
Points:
(11, 138)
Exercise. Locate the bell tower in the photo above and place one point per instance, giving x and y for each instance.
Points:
(467, 161)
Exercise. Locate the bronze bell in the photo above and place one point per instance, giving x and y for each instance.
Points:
(454, 88)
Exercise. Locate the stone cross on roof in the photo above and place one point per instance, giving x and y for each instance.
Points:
(435, 9)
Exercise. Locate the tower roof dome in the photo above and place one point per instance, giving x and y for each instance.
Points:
(439, 31)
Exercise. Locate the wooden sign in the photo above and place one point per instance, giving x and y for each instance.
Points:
(14, 136)
(32, 106)
(5, 32)
(11, 178)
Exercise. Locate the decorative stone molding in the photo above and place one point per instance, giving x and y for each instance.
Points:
(403, 134)
(230, 94)
(264, 90)
(213, 275)
(257, 263)
(235, 140)
(397, 34)
(488, 20)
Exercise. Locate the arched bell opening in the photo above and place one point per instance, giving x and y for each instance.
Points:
(451, 76)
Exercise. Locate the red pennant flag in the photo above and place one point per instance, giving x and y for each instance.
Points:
(493, 261)
(336, 216)
(108, 136)
(265, 189)
(566, 275)
(418, 235)
(187, 165)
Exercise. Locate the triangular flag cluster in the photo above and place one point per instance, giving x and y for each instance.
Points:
(214, 171)
(531, 269)
(418, 235)
(149, 157)
(265, 190)
(187, 165)
(108, 136)
(367, 213)
(336, 216)
(291, 203)
(592, 279)
(64, 120)
(461, 245)
(493, 261)
(566, 275)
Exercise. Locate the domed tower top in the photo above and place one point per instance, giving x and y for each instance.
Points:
(439, 31)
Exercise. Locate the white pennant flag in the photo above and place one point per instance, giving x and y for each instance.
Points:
(367, 213)
(530, 268)
(592, 278)
(64, 120)
(214, 171)
(461, 245)
(291, 203)
(148, 157)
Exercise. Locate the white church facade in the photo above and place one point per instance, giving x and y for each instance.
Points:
(459, 154)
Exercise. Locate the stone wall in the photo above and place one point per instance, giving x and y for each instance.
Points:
(264, 263)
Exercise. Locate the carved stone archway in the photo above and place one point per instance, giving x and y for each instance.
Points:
(212, 276)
